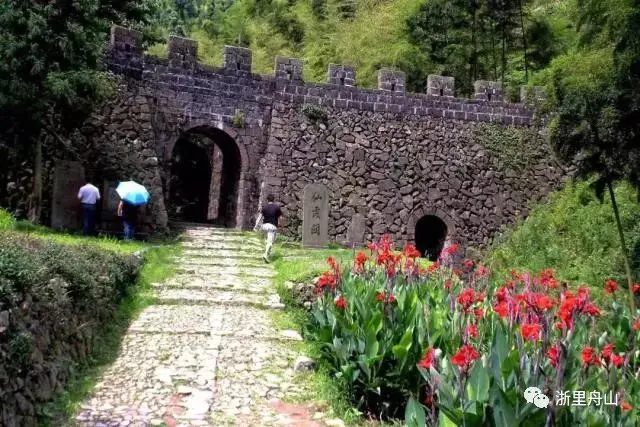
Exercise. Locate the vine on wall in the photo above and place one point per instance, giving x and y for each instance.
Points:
(514, 147)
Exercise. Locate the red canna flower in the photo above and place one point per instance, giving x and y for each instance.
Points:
(466, 298)
(636, 325)
(449, 250)
(383, 298)
(428, 360)
(636, 288)
(332, 262)
(617, 360)
(465, 357)
(608, 351)
(479, 313)
(482, 271)
(361, 259)
(341, 303)
(591, 310)
(531, 331)
(410, 251)
(468, 265)
(471, 331)
(610, 286)
(502, 308)
(590, 357)
(625, 406)
(502, 293)
(327, 280)
(554, 355)
(433, 267)
(480, 296)
(543, 302)
(448, 284)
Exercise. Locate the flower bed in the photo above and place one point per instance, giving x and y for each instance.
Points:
(451, 345)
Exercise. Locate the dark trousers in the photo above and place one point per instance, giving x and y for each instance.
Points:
(129, 228)
(88, 219)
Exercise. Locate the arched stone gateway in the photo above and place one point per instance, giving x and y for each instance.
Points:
(432, 229)
(205, 173)
(430, 236)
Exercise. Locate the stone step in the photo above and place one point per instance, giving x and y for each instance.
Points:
(203, 285)
(232, 254)
(191, 281)
(255, 262)
(232, 247)
(211, 297)
(153, 375)
(196, 319)
(228, 272)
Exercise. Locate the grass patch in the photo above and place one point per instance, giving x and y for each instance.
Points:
(574, 234)
(157, 267)
(293, 263)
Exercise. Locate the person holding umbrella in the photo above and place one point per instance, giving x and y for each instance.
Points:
(132, 195)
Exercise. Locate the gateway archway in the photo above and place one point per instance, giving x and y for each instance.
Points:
(430, 236)
(205, 173)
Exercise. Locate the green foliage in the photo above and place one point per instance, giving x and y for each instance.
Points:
(314, 112)
(7, 221)
(514, 147)
(52, 63)
(238, 119)
(573, 233)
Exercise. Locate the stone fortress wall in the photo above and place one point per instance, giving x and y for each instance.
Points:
(383, 153)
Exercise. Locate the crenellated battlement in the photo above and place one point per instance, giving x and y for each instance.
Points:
(340, 90)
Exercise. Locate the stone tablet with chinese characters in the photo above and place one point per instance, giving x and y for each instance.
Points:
(355, 232)
(68, 177)
(315, 219)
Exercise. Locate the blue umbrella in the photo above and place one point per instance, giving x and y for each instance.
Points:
(132, 192)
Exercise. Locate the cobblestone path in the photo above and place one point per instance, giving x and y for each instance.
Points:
(206, 354)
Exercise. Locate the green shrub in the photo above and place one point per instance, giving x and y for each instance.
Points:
(314, 112)
(573, 233)
(57, 298)
(6, 220)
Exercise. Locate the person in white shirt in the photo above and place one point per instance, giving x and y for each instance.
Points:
(88, 196)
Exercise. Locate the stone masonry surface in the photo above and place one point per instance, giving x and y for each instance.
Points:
(206, 354)
(389, 155)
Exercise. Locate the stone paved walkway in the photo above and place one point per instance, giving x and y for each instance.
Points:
(206, 354)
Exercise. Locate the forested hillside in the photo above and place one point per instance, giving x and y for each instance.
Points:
(507, 40)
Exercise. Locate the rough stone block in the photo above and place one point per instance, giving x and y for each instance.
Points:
(441, 86)
(343, 75)
(125, 40)
(392, 80)
(288, 68)
(183, 49)
(237, 58)
(486, 90)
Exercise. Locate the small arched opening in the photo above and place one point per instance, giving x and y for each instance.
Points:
(204, 183)
(430, 236)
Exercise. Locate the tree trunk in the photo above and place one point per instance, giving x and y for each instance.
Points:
(524, 44)
(504, 48)
(4, 171)
(623, 244)
(36, 195)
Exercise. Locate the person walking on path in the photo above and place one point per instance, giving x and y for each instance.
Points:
(129, 214)
(88, 196)
(270, 216)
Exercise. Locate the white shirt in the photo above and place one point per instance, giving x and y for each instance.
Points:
(89, 194)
